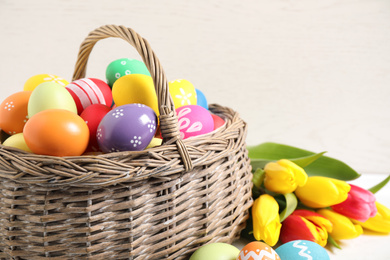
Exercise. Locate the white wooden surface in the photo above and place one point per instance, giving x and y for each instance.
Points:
(314, 74)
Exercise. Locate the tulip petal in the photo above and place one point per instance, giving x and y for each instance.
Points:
(266, 224)
(317, 219)
(322, 192)
(380, 222)
(359, 205)
(295, 228)
(343, 228)
(300, 175)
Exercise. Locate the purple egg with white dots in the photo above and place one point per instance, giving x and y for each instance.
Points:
(130, 127)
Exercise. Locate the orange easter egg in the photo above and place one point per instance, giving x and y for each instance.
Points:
(56, 132)
(13, 112)
(258, 251)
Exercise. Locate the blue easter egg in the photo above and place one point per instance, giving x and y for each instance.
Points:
(201, 99)
(302, 249)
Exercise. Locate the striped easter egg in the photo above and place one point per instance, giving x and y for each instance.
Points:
(88, 91)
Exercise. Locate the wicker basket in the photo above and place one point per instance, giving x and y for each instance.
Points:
(160, 203)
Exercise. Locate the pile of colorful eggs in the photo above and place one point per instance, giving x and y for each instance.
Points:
(54, 117)
(257, 250)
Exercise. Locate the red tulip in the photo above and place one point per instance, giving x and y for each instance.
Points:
(305, 225)
(360, 204)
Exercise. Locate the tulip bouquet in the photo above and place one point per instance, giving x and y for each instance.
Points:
(300, 195)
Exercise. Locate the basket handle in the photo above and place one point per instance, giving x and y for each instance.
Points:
(168, 118)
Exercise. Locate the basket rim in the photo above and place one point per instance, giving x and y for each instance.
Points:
(129, 166)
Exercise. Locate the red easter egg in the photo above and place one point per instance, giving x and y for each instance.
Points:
(13, 112)
(92, 115)
(218, 121)
(88, 91)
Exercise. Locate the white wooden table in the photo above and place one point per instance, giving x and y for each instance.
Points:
(313, 74)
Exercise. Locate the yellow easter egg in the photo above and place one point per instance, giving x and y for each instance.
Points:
(154, 142)
(17, 141)
(183, 93)
(135, 88)
(34, 81)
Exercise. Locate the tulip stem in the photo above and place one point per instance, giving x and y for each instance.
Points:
(333, 242)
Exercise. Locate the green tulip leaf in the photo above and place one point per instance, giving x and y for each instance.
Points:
(333, 242)
(258, 178)
(291, 205)
(307, 160)
(380, 185)
(321, 166)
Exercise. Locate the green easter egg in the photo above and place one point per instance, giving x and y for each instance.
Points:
(122, 67)
(216, 251)
(50, 95)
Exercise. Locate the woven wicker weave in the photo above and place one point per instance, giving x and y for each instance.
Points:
(160, 203)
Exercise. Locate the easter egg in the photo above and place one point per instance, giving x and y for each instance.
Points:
(122, 67)
(218, 121)
(34, 81)
(88, 91)
(57, 132)
(182, 92)
(302, 249)
(135, 88)
(13, 112)
(50, 95)
(259, 251)
(201, 99)
(92, 116)
(155, 142)
(194, 120)
(216, 251)
(17, 141)
(129, 127)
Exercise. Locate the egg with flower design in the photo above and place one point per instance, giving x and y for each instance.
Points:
(130, 127)
(183, 93)
(14, 113)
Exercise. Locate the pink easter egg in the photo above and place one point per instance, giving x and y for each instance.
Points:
(194, 120)
(92, 115)
(218, 121)
(88, 91)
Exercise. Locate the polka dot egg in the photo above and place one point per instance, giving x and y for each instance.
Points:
(259, 251)
(14, 113)
(122, 67)
(130, 127)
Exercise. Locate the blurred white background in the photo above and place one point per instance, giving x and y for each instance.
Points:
(313, 74)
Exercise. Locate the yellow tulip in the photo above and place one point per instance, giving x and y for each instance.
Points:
(266, 222)
(283, 176)
(380, 222)
(322, 192)
(343, 228)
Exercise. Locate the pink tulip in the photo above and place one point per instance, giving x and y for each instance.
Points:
(360, 204)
